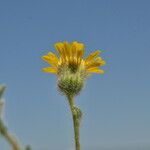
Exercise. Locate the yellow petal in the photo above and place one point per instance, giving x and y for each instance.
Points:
(67, 50)
(78, 45)
(79, 51)
(60, 48)
(51, 59)
(73, 56)
(93, 64)
(96, 62)
(50, 54)
(50, 70)
(92, 55)
(95, 70)
(103, 63)
(98, 59)
(80, 55)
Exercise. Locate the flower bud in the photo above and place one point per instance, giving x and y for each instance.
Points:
(71, 81)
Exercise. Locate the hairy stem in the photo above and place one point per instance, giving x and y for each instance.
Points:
(76, 115)
(3, 129)
(9, 137)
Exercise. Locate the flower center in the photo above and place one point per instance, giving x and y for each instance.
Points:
(73, 68)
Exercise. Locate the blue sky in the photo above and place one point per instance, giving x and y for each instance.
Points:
(115, 105)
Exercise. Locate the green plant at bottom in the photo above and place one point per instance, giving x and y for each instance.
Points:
(10, 138)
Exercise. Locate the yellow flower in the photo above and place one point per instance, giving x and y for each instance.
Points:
(71, 57)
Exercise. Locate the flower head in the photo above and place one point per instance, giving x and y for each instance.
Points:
(70, 67)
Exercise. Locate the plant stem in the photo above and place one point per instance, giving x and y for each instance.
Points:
(9, 137)
(76, 121)
(3, 129)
